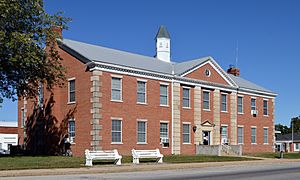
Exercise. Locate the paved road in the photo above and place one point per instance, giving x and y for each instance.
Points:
(284, 171)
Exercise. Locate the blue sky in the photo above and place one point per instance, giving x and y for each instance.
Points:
(268, 32)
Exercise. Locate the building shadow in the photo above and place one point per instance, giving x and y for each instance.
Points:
(45, 134)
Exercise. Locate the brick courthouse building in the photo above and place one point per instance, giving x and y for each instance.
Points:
(126, 101)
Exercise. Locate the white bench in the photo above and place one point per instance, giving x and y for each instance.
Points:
(138, 154)
(102, 155)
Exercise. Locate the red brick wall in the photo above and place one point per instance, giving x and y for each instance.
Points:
(260, 121)
(8, 130)
(130, 111)
(200, 75)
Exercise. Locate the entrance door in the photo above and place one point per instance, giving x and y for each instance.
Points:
(206, 137)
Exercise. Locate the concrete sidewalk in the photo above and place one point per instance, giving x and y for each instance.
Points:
(133, 168)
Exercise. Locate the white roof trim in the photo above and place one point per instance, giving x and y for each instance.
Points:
(218, 68)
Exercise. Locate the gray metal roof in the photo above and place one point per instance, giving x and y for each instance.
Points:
(162, 32)
(88, 53)
(117, 57)
(243, 83)
(288, 137)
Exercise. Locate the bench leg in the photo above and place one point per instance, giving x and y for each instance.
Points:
(160, 160)
(118, 161)
(89, 162)
(136, 161)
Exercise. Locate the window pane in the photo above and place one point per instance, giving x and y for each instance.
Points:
(163, 89)
(265, 135)
(163, 94)
(116, 95)
(71, 90)
(224, 132)
(253, 135)
(186, 133)
(72, 85)
(116, 131)
(141, 86)
(206, 104)
(186, 97)
(116, 83)
(265, 107)
(253, 104)
(141, 98)
(240, 135)
(224, 102)
(164, 130)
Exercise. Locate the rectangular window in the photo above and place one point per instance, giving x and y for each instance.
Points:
(224, 102)
(206, 100)
(41, 95)
(116, 131)
(72, 130)
(164, 135)
(116, 89)
(240, 135)
(253, 104)
(163, 95)
(240, 105)
(72, 90)
(266, 136)
(141, 92)
(266, 108)
(253, 135)
(141, 132)
(186, 98)
(296, 146)
(186, 133)
(22, 117)
(224, 134)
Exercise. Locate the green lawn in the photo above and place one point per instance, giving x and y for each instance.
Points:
(47, 162)
(277, 155)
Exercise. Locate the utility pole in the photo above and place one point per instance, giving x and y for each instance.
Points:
(292, 134)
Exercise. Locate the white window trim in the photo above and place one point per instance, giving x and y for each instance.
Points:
(165, 84)
(267, 135)
(145, 81)
(208, 99)
(71, 79)
(121, 88)
(119, 119)
(266, 115)
(190, 139)
(242, 104)
(226, 102)
(189, 107)
(137, 132)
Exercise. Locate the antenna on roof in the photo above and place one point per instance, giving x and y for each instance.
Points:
(237, 53)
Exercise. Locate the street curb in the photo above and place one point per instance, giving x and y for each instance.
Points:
(133, 168)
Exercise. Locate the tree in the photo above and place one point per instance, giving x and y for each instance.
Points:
(25, 30)
(282, 128)
(296, 124)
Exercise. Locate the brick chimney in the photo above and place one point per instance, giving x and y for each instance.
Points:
(233, 70)
(57, 30)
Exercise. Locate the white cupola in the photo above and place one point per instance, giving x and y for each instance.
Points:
(163, 45)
